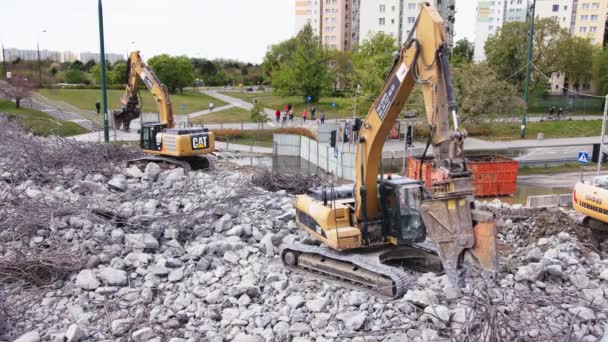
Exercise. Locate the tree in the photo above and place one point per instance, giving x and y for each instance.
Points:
(118, 75)
(480, 92)
(576, 55)
(17, 88)
(299, 66)
(600, 70)
(507, 55)
(462, 52)
(175, 72)
(372, 60)
(96, 74)
(257, 114)
(74, 76)
(342, 68)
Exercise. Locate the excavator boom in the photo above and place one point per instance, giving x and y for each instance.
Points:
(138, 70)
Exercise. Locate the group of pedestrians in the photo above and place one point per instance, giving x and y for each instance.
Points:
(288, 114)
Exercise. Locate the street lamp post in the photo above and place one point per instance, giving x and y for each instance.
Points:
(39, 63)
(102, 59)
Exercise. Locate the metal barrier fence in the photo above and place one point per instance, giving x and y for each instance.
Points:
(339, 163)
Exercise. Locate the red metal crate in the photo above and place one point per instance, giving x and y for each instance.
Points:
(492, 175)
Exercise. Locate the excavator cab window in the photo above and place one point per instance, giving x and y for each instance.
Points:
(148, 136)
(401, 209)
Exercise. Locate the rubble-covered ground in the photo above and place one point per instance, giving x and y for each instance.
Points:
(92, 251)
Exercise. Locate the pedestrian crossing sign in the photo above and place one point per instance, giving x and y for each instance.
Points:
(583, 157)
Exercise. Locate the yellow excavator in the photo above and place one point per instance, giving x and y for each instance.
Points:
(369, 230)
(591, 200)
(161, 141)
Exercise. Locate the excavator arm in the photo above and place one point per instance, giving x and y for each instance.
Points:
(138, 70)
(459, 232)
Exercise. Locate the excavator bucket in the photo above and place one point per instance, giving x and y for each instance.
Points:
(450, 225)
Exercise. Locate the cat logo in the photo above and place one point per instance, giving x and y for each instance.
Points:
(200, 142)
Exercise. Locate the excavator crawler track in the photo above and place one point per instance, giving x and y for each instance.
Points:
(362, 269)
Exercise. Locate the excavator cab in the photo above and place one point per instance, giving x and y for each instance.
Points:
(148, 136)
(400, 200)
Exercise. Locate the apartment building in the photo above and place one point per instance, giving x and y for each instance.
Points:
(397, 17)
(491, 15)
(564, 13)
(308, 12)
(110, 57)
(336, 24)
(31, 55)
(331, 20)
(590, 20)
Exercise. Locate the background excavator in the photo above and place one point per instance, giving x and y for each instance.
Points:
(591, 200)
(161, 141)
(383, 220)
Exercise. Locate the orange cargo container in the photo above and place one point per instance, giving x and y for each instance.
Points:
(492, 175)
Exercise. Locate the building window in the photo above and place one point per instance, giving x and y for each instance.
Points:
(393, 8)
(555, 8)
(565, 7)
(381, 21)
(586, 86)
(584, 17)
(411, 20)
(411, 7)
(592, 28)
(583, 29)
(392, 21)
(585, 6)
(595, 5)
(594, 17)
(382, 8)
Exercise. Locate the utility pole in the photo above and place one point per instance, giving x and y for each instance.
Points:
(4, 71)
(527, 84)
(38, 50)
(102, 59)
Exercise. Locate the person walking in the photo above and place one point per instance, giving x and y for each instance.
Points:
(211, 106)
(98, 107)
(313, 111)
(291, 114)
(284, 118)
(277, 115)
(322, 117)
(304, 115)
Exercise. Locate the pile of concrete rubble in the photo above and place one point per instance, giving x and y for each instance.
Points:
(168, 256)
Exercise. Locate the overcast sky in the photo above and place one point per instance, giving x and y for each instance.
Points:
(237, 29)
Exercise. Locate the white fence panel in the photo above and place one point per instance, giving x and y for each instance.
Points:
(287, 144)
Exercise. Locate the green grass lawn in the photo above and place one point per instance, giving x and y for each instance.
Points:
(568, 167)
(261, 138)
(551, 129)
(86, 98)
(40, 123)
(344, 105)
(230, 115)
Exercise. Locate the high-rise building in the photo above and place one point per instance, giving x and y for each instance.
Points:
(590, 20)
(560, 10)
(31, 55)
(336, 24)
(355, 22)
(397, 17)
(110, 57)
(491, 15)
(331, 20)
(68, 57)
(563, 12)
(308, 12)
